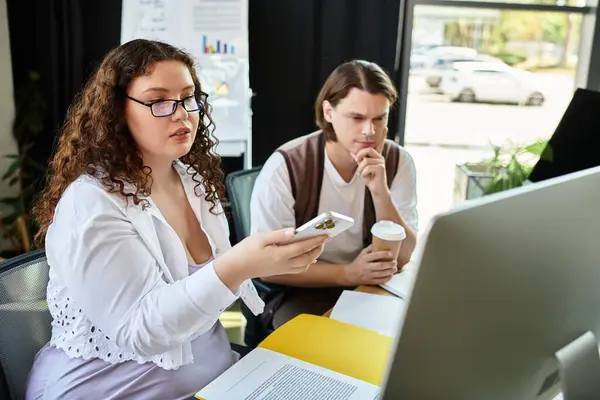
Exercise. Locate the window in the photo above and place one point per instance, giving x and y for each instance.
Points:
(560, 3)
(480, 76)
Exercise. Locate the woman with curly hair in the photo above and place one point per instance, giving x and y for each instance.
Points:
(140, 262)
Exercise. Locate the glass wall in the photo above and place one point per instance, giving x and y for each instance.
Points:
(478, 78)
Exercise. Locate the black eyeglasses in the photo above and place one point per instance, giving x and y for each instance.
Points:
(167, 107)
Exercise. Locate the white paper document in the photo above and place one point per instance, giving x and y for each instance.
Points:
(267, 375)
(376, 312)
(401, 284)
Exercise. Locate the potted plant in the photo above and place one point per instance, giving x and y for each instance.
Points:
(508, 168)
(16, 224)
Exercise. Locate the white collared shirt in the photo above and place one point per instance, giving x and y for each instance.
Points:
(119, 286)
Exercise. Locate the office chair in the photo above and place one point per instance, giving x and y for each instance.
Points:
(239, 190)
(24, 319)
(25, 322)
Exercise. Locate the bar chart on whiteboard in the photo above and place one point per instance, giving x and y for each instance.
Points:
(215, 32)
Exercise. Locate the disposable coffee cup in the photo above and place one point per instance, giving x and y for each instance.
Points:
(388, 236)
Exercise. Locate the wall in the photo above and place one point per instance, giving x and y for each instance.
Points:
(7, 109)
(7, 144)
(294, 46)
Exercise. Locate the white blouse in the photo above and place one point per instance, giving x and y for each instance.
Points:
(119, 286)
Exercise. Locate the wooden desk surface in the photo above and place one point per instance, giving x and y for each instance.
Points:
(366, 289)
(373, 290)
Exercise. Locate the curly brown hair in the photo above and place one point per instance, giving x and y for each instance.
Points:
(95, 136)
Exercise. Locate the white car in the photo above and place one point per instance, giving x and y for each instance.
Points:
(457, 51)
(489, 82)
(440, 66)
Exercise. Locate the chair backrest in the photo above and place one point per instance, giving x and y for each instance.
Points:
(24, 317)
(239, 190)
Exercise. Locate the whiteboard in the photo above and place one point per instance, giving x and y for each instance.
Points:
(215, 32)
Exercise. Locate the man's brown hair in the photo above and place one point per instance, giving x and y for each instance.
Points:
(359, 74)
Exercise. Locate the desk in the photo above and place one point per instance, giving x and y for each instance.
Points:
(373, 290)
(366, 289)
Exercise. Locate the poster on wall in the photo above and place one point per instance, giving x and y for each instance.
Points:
(215, 32)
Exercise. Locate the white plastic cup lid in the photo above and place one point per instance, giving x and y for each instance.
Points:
(388, 230)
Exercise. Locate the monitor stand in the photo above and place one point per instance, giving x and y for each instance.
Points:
(579, 365)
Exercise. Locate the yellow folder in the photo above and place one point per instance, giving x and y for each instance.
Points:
(348, 349)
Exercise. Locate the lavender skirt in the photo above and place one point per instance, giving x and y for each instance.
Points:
(56, 376)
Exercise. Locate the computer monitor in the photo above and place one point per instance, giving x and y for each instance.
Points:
(503, 284)
(575, 143)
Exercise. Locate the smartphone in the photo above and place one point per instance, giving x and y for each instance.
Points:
(329, 223)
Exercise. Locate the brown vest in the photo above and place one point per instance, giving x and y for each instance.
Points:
(305, 163)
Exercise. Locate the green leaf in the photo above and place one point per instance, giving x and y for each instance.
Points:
(14, 156)
(496, 184)
(548, 154)
(13, 181)
(512, 163)
(536, 148)
(508, 176)
(12, 169)
(11, 201)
